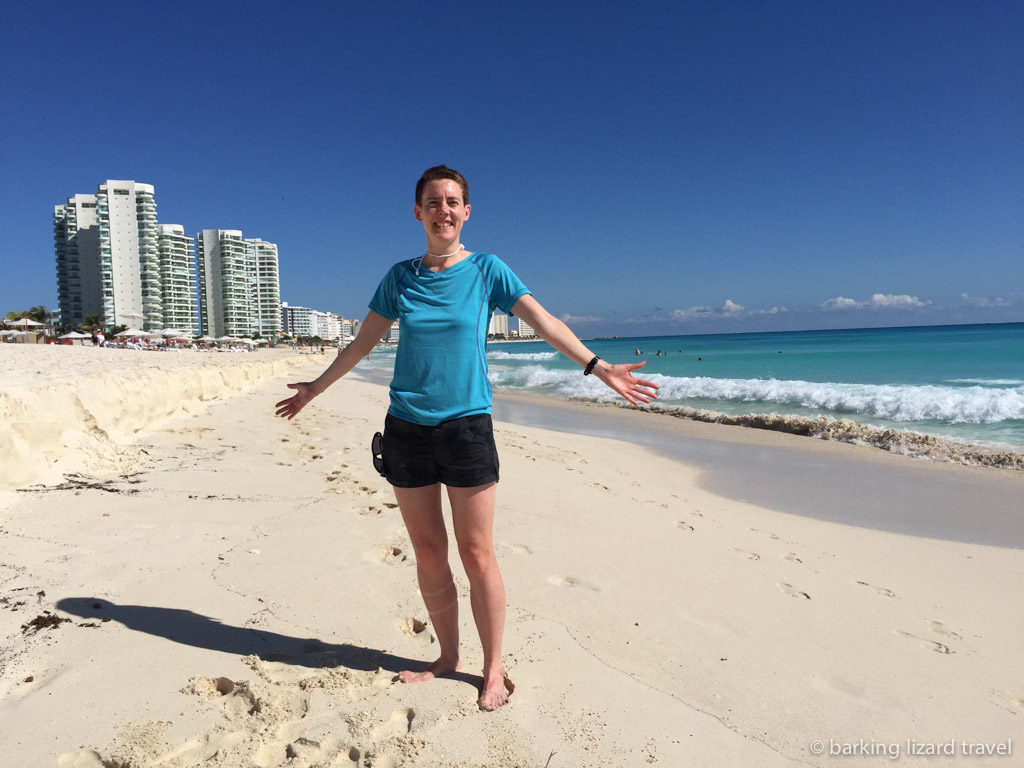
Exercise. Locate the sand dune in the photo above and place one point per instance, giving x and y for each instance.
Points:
(77, 409)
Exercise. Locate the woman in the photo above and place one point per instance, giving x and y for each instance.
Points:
(438, 427)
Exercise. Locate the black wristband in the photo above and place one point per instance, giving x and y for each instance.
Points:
(590, 366)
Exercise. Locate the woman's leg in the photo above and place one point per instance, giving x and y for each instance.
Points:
(473, 519)
(421, 511)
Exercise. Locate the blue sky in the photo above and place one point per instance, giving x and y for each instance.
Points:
(676, 167)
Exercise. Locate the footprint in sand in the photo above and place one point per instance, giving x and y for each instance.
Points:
(515, 549)
(416, 629)
(399, 724)
(884, 591)
(940, 629)
(746, 554)
(573, 582)
(684, 526)
(792, 557)
(393, 554)
(931, 645)
(789, 589)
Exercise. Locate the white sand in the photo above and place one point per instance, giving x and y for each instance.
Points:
(261, 596)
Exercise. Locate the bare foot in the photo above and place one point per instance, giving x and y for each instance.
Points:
(439, 668)
(495, 694)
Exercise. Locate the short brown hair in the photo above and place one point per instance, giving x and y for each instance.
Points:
(442, 172)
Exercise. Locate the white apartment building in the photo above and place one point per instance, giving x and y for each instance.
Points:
(227, 279)
(177, 278)
(349, 328)
(129, 262)
(239, 285)
(498, 325)
(303, 321)
(297, 321)
(107, 255)
(76, 240)
(525, 330)
(326, 325)
(268, 288)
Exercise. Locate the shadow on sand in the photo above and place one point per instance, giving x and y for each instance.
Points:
(190, 628)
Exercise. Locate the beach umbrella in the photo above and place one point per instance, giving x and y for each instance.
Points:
(25, 323)
(75, 335)
(135, 332)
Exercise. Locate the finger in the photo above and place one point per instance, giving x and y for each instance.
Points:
(648, 384)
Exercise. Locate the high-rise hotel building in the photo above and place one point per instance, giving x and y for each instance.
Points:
(115, 261)
(110, 263)
(239, 285)
(177, 278)
(268, 288)
(76, 236)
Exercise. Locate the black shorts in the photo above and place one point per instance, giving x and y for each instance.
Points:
(460, 453)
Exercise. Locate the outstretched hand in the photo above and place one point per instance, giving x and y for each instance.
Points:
(620, 378)
(290, 407)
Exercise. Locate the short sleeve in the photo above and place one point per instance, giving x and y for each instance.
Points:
(504, 285)
(385, 298)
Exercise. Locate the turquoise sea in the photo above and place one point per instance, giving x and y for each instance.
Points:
(963, 382)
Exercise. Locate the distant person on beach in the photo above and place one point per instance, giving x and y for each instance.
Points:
(438, 430)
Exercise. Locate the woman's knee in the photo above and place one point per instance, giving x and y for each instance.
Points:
(478, 558)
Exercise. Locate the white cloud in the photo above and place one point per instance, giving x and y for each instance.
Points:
(981, 301)
(840, 302)
(901, 301)
(877, 301)
(731, 307)
(691, 313)
(570, 319)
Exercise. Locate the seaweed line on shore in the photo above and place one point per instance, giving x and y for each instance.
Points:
(896, 441)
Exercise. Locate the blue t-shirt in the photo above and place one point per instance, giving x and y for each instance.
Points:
(441, 363)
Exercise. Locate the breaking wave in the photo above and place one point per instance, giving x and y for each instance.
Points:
(521, 355)
(950, 405)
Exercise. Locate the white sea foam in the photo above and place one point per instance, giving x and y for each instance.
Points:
(521, 355)
(953, 405)
(989, 382)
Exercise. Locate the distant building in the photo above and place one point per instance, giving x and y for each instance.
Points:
(239, 285)
(177, 279)
(268, 288)
(525, 330)
(498, 325)
(303, 321)
(107, 254)
(326, 325)
(76, 237)
(227, 276)
(296, 321)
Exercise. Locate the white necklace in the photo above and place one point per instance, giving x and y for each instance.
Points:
(417, 263)
(446, 255)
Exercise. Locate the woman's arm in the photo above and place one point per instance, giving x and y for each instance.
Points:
(370, 332)
(556, 333)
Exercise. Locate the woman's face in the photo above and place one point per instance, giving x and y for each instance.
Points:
(442, 211)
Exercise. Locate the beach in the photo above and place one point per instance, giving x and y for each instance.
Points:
(187, 580)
